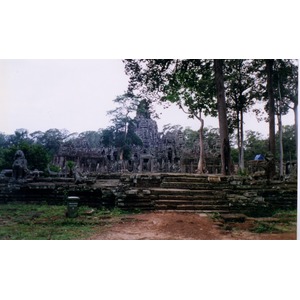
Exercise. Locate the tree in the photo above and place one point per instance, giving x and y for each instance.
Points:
(190, 83)
(288, 142)
(190, 137)
(238, 85)
(277, 85)
(192, 89)
(292, 87)
(37, 156)
(285, 93)
(52, 139)
(271, 107)
(124, 136)
(3, 140)
(19, 136)
(223, 125)
(255, 144)
(92, 138)
(107, 136)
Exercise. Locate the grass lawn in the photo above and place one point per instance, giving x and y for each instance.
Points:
(49, 222)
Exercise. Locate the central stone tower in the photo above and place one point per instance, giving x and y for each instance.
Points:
(146, 128)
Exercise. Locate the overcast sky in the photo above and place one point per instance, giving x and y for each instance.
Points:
(75, 95)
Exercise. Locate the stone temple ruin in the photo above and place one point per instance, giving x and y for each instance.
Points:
(154, 178)
(159, 152)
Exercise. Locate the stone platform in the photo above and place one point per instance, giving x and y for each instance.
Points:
(159, 191)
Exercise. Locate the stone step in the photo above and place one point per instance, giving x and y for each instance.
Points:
(194, 211)
(192, 185)
(185, 179)
(198, 207)
(197, 178)
(192, 202)
(195, 197)
(185, 192)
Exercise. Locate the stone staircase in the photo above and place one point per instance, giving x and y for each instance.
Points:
(179, 193)
(189, 193)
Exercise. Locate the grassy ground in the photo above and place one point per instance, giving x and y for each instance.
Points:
(46, 222)
(49, 222)
(280, 221)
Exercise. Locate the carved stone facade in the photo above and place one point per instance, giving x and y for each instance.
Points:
(159, 152)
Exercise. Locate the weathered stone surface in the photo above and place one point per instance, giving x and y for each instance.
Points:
(153, 194)
(233, 217)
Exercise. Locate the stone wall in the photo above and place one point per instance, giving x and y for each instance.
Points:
(51, 192)
(153, 191)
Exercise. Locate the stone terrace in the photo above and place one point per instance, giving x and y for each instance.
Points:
(160, 191)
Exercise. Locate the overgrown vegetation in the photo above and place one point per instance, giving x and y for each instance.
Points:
(49, 222)
(281, 221)
(267, 221)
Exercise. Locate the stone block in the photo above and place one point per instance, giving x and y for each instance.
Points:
(259, 199)
(131, 192)
(250, 194)
(237, 218)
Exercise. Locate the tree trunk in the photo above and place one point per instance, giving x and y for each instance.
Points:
(242, 160)
(223, 126)
(295, 108)
(272, 147)
(280, 133)
(238, 137)
(269, 65)
(121, 160)
(280, 144)
(201, 163)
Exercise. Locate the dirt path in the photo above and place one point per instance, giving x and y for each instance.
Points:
(178, 226)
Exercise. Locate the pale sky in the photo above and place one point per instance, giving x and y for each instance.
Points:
(76, 95)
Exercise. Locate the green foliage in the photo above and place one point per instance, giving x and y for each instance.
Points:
(234, 155)
(54, 168)
(107, 136)
(243, 172)
(20, 136)
(52, 139)
(215, 216)
(92, 138)
(254, 144)
(36, 155)
(289, 142)
(188, 83)
(70, 164)
(122, 135)
(191, 137)
(264, 228)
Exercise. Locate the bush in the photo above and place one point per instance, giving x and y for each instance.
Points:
(36, 155)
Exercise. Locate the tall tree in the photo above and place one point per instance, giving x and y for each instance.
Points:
(122, 118)
(19, 136)
(52, 139)
(192, 89)
(189, 83)
(289, 142)
(238, 85)
(223, 125)
(285, 82)
(280, 76)
(271, 107)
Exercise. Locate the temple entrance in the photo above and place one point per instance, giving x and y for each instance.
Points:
(146, 163)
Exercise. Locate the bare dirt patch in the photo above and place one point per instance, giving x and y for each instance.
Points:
(182, 226)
